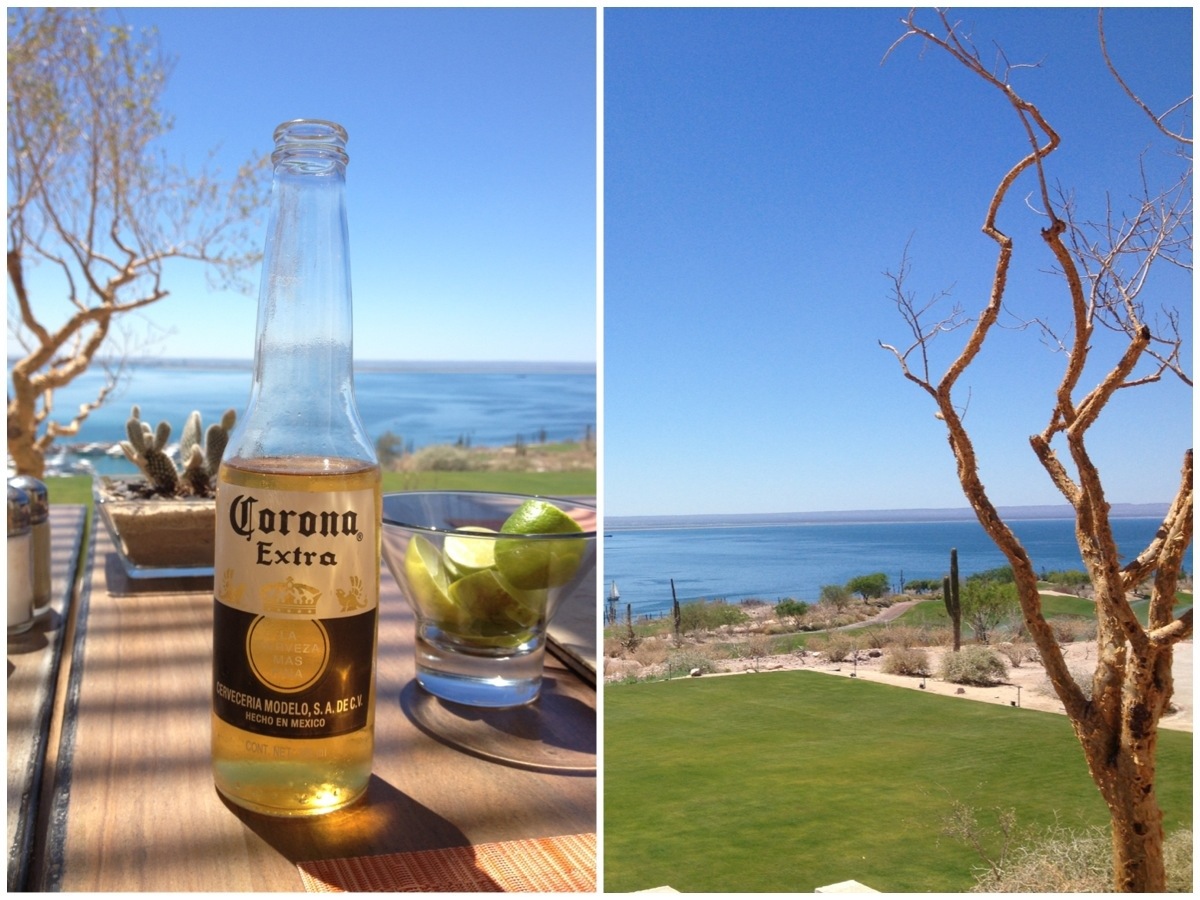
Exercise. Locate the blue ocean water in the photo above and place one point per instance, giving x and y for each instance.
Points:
(482, 406)
(773, 562)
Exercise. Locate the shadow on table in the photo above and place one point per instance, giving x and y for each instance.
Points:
(385, 820)
(555, 733)
(37, 638)
(119, 583)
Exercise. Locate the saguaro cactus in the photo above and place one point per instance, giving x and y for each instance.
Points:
(950, 597)
(675, 613)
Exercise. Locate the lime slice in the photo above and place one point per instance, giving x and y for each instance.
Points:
(428, 581)
(536, 565)
(493, 612)
(466, 554)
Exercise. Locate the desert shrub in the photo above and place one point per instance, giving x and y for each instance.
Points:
(790, 608)
(441, 458)
(612, 646)
(683, 661)
(1054, 858)
(650, 653)
(847, 618)
(938, 637)
(1178, 853)
(905, 661)
(973, 665)
(823, 614)
(624, 678)
(1081, 675)
(1000, 575)
(892, 635)
(873, 638)
(1072, 579)
(904, 636)
(836, 647)
(1017, 652)
(1068, 629)
(835, 595)
(1061, 860)
(922, 585)
(706, 615)
(755, 648)
(817, 643)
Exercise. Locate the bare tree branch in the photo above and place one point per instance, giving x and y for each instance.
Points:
(1158, 120)
(91, 197)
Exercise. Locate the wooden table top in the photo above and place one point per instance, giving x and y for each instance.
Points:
(35, 659)
(132, 804)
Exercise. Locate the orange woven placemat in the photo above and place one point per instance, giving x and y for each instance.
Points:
(557, 864)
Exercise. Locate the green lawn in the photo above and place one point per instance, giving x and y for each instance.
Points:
(78, 488)
(787, 781)
(554, 484)
(933, 612)
(70, 490)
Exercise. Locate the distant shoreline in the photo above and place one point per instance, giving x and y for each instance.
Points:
(868, 517)
(440, 367)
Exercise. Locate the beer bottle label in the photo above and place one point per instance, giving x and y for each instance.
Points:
(296, 596)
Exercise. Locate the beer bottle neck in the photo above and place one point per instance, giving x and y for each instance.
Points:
(302, 398)
(305, 327)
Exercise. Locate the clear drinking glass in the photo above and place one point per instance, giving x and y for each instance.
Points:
(482, 597)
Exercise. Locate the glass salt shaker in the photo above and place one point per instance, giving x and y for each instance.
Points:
(20, 562)
(39, 520)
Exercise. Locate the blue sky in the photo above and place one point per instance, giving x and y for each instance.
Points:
(472, 177)
(763, 171)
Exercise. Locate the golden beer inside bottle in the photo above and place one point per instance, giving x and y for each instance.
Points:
(271, 750)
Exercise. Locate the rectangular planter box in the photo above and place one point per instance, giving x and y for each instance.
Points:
(160, 536)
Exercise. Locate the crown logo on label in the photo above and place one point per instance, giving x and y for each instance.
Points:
(290, 598)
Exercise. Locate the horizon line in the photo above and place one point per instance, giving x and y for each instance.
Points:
(1153, 509)
(372, 364)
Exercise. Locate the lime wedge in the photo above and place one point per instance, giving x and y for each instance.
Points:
(539, 517)
(428, 580)
(536, 565)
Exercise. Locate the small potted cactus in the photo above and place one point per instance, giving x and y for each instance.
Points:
(163, 520)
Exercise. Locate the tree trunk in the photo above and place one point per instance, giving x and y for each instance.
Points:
(1119, 734)
(28, 458)
(1138, 844)
(1131, 689)
(1125, 777)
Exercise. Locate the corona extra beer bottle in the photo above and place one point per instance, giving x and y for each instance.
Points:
(296, 571)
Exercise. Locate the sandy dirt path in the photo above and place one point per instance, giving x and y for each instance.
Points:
(1027, 685)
